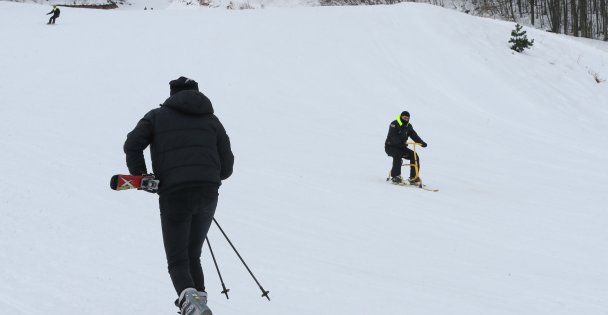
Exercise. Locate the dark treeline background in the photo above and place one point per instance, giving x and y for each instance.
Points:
(581, 18)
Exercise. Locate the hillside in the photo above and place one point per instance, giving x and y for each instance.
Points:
(306, 95)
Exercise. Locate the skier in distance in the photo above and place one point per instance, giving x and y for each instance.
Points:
(55, 11)
(395, 146)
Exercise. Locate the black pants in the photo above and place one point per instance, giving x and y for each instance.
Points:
(397, 154)
(186, 216)
(52, 19)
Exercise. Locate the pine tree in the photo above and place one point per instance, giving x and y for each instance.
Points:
(520, 39)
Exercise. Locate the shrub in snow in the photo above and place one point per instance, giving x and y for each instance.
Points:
(520, 39)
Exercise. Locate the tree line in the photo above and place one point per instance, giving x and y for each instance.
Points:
(580, 18)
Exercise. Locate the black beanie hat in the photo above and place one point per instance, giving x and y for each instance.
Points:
(181, 84)
(405, 113)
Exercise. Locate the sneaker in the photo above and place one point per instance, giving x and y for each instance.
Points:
(414, 181)
(192, 302)
(397, 179)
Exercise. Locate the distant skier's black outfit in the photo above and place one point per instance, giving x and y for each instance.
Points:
(191, 155)
(395, 145)
(55, 13)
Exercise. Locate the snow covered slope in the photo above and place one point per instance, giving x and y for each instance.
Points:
(182, 4)
(516, 145)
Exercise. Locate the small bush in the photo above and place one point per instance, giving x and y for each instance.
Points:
(520, 39)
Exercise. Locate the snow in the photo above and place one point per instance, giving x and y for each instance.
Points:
(184, 4)
(516, 147)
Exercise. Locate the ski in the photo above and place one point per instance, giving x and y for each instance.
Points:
(421, 186)
(142, 182)
(425, 187)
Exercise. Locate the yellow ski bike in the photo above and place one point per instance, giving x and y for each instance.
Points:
(417, 184)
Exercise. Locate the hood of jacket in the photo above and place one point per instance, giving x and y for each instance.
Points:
(190, 102)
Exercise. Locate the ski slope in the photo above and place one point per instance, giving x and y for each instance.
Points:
(516, 147)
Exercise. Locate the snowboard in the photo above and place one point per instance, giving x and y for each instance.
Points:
(142, 182)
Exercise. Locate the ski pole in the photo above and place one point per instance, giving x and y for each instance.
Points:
(225, 291)
(264, 292)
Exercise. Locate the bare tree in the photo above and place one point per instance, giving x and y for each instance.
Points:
(574, 18)
(555, 15)
(532, 11)
(604, 15)
(565, 6)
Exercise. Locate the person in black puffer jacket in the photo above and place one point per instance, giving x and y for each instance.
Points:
(395, 146)
(191, 155)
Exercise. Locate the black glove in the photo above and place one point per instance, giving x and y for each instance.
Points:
(153, 185)
(423, 144)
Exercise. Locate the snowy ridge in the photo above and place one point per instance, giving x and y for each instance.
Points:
(306, 95)
(181, 4)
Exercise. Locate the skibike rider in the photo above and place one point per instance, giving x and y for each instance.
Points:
(191, 156)
(395, 146)
(55, 13)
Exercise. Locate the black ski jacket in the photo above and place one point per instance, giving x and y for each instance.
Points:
(188, 143)
(398, 133)
(55, 12)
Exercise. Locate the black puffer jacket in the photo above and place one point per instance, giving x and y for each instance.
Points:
(188, 144)
(55, 12)
(398, 133)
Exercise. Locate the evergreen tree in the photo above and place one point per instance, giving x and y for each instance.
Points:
(520, 39)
